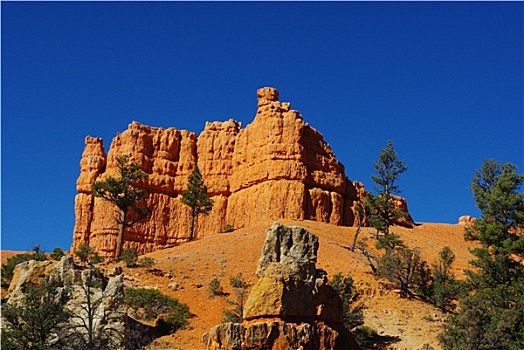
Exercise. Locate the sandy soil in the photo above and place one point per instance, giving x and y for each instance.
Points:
(406, 323)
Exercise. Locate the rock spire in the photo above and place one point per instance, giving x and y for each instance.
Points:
(276, 167)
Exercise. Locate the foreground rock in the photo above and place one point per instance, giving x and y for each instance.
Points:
(95, 304)
(291, 306)
(276, 167)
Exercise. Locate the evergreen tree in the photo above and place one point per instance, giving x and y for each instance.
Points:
(353, 311)
(381, 207)
(196, 198)
(444, 287)
(126, 195)
(31, 324)
(491, 315)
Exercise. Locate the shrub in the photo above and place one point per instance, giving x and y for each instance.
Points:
(96, 259)
(353, 314)
(57, 254)
(229, 228)
(31, 324)
(215, 288)
(130, 257)
(147, 262)
(363, 334)
(9, 267)
(172, 313)
(240, 291)
(87, 254)
(405, 268)
(83, 252)
(445, 288)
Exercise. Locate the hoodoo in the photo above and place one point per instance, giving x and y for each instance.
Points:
(276, 167)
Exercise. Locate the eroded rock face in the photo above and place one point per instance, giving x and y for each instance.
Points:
(105, 308)
(276, 167)
(290, 307)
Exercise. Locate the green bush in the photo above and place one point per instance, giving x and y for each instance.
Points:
(353, 313)
(130, 257)
(229, 228)
(83, 252)
(9, 267)
(41, 314)
(240, 292)
(57, 254)
(215, 288)
(172, 312)
(96, 259)
(87, 254)
(147, 262)
(363, 334)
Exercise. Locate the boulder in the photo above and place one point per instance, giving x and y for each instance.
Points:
(290, 307)
(466, 220)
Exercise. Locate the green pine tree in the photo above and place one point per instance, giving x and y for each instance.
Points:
(31, 324)
(125, 193)
(491, 315)
(196, 197)
(381, 207)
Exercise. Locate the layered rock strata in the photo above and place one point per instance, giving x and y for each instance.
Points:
(276, 167)
(291, 306)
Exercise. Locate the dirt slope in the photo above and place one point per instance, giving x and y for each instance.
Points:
(407, 323)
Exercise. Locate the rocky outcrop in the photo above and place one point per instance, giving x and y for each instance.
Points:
(276, 167)
(95, 303)
(291, 306)
(466, 220)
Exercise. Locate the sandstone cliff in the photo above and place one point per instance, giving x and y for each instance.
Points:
(276, 167)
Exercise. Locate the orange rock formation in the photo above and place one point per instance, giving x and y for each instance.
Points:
(276, 167)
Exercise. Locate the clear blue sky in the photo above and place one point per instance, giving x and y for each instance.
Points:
(442, 80)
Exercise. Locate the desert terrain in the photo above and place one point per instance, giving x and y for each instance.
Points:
(184, 272)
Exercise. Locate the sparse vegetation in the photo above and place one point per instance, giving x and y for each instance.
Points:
(146, 262)
(130, 257)
(83, 252)
(9, 267)
(240, 292)
(229, 228)
(30, 325)
(353, 311)
(363, 334)
(87, 254)
(215, 287)
(57, 254)
(404, 267)
(96, 258)
(172, 313)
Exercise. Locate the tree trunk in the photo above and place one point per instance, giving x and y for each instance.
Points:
(120, 239)
(359, 226)
(193, 214)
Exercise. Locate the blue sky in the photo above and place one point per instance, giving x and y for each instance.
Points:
(442, 80)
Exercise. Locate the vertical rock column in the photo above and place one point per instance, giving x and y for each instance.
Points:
(91, 165)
